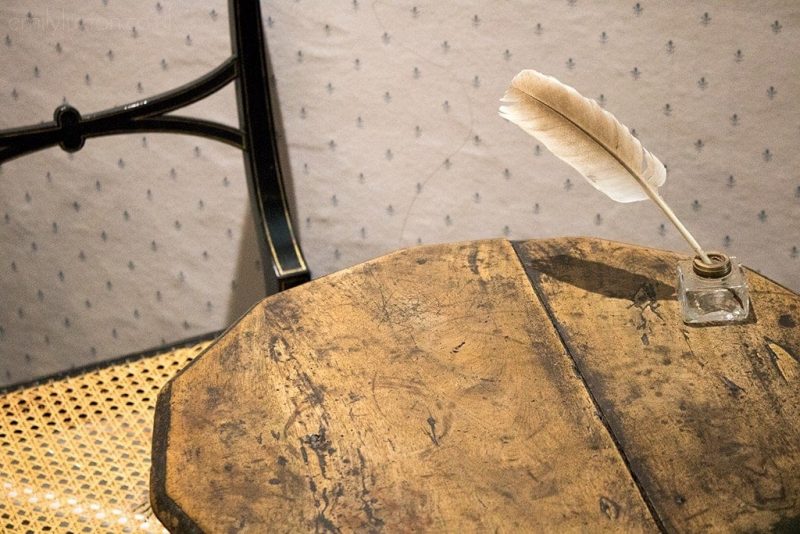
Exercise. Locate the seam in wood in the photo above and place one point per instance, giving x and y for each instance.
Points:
(535, 285)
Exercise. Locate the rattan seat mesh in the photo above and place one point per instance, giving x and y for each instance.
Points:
(75, 451)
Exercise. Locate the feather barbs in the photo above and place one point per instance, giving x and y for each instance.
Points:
(583, 134)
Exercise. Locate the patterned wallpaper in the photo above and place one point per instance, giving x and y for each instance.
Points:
(389, 113)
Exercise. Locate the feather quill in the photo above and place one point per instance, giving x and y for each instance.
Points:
(591, 140)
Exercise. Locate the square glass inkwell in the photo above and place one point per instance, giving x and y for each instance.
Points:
(713, 292)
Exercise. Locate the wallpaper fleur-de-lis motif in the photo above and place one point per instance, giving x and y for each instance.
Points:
(389, 114)
(137, 240)
(708, 109)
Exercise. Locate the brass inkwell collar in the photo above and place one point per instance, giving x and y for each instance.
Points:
(719, 267)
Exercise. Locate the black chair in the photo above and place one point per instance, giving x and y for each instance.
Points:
(248, 67)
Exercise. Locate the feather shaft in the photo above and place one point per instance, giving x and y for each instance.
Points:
(655, 197)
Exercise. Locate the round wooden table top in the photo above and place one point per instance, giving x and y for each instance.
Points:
(488, 386)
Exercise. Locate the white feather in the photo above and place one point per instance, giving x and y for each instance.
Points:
(579, 131)
(590, 139)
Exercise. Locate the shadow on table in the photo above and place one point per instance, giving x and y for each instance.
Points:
(601, 278)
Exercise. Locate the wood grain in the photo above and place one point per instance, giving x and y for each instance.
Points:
(708, 417)
(425, 390)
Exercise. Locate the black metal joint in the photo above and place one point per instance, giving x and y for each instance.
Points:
(68, 120)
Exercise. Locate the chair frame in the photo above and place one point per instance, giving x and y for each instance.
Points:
(248, 68)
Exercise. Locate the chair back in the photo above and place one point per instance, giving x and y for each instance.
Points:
(248, 69)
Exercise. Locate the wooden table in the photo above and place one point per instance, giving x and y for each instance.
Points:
(488, 386)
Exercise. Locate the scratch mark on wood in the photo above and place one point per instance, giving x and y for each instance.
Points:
(375, 397)
(432, 432)
(732, 387)
(691, 350)
(292, 418)
(316, 395)
(384, 304)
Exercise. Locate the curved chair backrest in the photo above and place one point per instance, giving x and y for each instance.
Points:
(247, 68)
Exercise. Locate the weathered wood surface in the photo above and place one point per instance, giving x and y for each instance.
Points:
(708, 417)
(443, 389)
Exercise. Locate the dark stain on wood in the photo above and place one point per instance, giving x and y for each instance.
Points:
(213, 397)
(282, 308)
(787, 525)
(321, 445)
(473, 262)
(323, 524)
(458, 347)
(278, 349)
(230, 356)
(733, 389)
(367, 502)
(786, 321)
(231, 431)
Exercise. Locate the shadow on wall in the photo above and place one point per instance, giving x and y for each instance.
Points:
(249, 285)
